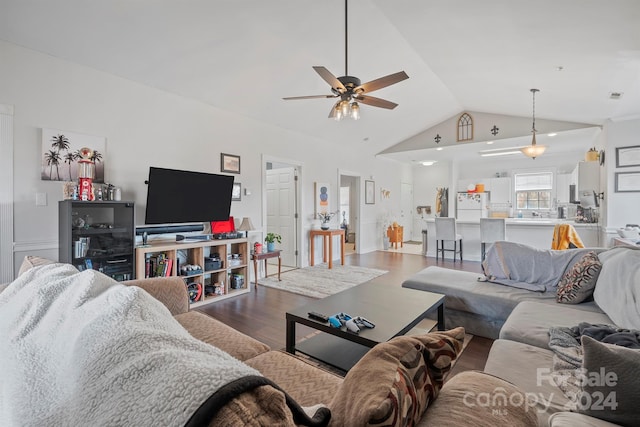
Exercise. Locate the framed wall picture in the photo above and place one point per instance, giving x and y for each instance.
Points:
(236, 192)
(627, 182)
(61, 152)
(321, 196)
(628, 156)
(369, 192)
(229, 163)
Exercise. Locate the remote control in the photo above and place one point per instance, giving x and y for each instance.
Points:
(318, 316)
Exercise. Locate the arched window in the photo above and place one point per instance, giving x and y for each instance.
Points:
(465, 128)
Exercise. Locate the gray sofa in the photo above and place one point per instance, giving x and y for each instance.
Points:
(520, 320)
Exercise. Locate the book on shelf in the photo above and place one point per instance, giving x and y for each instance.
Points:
(167, 267)
(157, 265)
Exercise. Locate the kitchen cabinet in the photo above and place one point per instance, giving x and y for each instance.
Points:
(586, 177)
(563, 180)
(463, 184)
(500, 189)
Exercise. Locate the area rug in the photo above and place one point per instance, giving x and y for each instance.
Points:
(319, 281)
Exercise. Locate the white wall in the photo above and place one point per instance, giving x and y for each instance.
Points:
(148, 127)
(426, 181)
(621, 208)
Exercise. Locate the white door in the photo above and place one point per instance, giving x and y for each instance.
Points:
(406, 210)
(281, 210)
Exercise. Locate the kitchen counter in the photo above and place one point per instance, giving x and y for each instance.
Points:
(529, 221)
(536, 232)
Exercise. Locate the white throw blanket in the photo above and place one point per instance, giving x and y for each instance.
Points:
(617, 291)
(81, 349)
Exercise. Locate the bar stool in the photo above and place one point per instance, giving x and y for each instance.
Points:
(446, 230)
(491, 231)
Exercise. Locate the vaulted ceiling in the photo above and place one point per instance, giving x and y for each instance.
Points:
(465, 55)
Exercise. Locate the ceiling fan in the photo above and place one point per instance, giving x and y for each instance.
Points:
(349, 88)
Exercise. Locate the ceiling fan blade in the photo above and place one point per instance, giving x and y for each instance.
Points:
(309, 97)
(376, 102)
(382, 82)
(330, 78)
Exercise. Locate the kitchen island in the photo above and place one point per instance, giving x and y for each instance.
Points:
(536, 232)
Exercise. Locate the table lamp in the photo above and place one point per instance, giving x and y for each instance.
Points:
(246, 225)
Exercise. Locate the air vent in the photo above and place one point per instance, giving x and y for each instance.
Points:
(615, 95)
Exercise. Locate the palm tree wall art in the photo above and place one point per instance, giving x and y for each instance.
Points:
(61, 152)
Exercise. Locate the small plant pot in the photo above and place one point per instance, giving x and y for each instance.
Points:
(591, 156)
(324, 226)
(271, 246)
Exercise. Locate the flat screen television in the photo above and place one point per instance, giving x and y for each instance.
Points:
(178, 196)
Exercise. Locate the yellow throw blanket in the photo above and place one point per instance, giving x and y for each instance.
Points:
(565, 236)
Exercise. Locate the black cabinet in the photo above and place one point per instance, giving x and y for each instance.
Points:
(98, 235)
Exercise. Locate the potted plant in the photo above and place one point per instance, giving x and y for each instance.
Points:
(271, 239)
(325, 218)
(591, 155)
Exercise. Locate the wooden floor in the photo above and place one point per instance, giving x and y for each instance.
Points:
(261, 314)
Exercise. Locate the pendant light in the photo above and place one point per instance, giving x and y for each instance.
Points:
(534, 150)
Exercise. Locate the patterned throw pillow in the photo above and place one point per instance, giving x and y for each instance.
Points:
(394, 382)
(578, 283)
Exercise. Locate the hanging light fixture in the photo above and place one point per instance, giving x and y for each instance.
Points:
(534, 150)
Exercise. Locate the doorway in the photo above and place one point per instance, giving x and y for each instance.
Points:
(281, 210)
(349, 211)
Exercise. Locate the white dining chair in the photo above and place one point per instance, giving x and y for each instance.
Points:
(491, 231)
(446, 230)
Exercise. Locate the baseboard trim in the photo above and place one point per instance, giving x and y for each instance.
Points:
(35, 245)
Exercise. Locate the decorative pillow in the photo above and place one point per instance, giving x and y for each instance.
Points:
(578, 283)
(394, 382)
(611, 390)
(31, 261)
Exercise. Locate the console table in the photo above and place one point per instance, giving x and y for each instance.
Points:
(326, 235)
(265, 256)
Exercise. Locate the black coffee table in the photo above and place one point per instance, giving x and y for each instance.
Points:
(393, 309)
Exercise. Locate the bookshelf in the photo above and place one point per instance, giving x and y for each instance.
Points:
(220, 267)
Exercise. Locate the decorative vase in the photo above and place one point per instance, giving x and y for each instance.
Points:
(324, 225)
(271, 246)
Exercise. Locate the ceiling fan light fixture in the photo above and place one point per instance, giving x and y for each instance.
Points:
(355, 111)
(349, 89)
(534, 150)
(344, 107)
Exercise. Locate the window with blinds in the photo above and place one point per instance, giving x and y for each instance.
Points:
(533, 190)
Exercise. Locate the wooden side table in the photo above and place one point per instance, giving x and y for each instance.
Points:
(395, 236)
(327, 235)
(265, 256)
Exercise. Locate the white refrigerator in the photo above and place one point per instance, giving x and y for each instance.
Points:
(472, 206)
